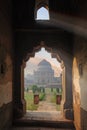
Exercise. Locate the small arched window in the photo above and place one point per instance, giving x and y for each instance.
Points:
(42, 14)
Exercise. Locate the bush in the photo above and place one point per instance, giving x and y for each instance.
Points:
(42, 96)
(34, 88)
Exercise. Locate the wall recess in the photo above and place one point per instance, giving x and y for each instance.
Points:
(3, 54)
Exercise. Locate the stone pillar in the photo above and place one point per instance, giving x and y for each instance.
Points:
(63, 88)
(18, 92)
(22, 88)
(67, 98)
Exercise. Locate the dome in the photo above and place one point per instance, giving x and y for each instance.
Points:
(45, 66)
(44, 63)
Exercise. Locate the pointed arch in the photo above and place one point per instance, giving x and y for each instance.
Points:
(41, 10)
(42, 14)
(66, 103)
(48, 49)
(54, 54)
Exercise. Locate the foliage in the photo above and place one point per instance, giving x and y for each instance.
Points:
(41, 96)
(35, 88)
(57, 90)
(51, 89)
(29, 97)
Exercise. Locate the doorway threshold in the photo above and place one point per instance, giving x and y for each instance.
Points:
(44, 116)
(51, 119)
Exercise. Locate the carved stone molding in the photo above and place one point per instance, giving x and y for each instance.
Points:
(38, 48)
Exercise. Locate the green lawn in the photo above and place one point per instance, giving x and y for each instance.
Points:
(53, 97)
(58, 107)
(29, 97)
(30, 101)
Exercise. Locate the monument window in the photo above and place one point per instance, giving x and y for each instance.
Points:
(42, 14)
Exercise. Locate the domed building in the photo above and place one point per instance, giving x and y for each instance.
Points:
(44, 75)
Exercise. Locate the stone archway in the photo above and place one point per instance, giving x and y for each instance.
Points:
(67, 109)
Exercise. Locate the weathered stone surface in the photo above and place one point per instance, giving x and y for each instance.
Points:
(80, 82)
(6, 74)
(6, 116)
(83, 119)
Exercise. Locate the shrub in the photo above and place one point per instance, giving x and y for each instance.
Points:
(42, 96)
(34, 88)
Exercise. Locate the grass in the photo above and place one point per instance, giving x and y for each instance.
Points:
(53, 100)
(58, 107)
(29, 97)
(53, 97)
(30, 101)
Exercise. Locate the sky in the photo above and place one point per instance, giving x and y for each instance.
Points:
(42, 14)
(45, 55)
(32, 63)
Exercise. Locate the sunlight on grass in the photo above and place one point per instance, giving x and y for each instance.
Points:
(58, 107)
(30, 101)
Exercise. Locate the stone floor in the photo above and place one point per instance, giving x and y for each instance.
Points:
(46, 112)
(35, 128)
(44, 115)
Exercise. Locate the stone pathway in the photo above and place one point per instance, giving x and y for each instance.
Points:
(47, 105)
(46, 111)
(48, 116)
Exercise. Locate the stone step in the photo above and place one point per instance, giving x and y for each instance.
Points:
(37, 128)
(48, 124)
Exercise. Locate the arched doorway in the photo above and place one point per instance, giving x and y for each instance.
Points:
(67, 109)
(43, 87)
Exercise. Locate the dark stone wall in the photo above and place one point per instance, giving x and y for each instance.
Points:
(6, 116)
(24, 10)
(84, 119)
(6, 71)
(26, 40)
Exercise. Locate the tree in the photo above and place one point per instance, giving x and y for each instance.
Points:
(51, 89)
(34, 88)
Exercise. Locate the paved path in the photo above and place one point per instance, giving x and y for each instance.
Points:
(44, 106)
(46, 111)
(47, 105)
(48, 116)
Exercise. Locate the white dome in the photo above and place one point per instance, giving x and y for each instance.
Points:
(45, 66)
